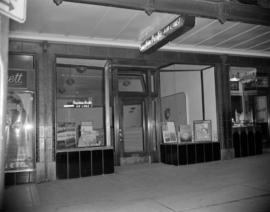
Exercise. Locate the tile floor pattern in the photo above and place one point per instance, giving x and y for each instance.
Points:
(233, 186)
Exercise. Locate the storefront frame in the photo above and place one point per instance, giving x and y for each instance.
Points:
(46, 53)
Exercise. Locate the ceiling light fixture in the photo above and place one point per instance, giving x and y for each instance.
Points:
(235, 77)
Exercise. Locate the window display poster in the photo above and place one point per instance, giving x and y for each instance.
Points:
(169, 133)
(66, 135)
(185, 133)
(202, 130)
(88, 136)
(20, 132)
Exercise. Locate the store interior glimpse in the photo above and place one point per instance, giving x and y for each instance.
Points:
(248, 96)
(80, 103)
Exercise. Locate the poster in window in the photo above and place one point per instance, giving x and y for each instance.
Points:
(185, 133)
(66, 135)
(168, 132)
(202, 130)
(20, 132)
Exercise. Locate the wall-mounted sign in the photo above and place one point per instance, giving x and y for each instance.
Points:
(15, 9)
(79, 104)
(173, 30)
(17, 79)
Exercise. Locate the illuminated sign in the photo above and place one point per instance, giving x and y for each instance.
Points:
(173, 30)
(80, 104)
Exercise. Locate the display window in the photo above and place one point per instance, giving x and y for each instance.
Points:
(20, 127)
(80, 107)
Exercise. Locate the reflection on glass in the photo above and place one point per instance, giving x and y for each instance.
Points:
(20, 132)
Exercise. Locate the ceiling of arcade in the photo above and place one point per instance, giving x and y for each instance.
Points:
(111, 26)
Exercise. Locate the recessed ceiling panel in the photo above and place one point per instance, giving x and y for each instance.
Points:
(207, 32)
(113, 22)
(256, 40)
(200, 24)
(261, 46)
(227, 33)
(99, 25)
(244, 36)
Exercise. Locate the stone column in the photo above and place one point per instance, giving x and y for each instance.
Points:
(46, 170)
(4, 30)
(223, 98)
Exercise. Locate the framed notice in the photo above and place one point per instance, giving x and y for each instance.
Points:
(168, 132)
(202, 130)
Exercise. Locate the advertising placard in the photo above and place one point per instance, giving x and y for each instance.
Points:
(66, 135)
(169, 133)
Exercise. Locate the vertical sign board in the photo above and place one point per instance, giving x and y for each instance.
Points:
(14, 9)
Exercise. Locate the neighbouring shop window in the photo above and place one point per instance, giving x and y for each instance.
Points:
(244, 100)
(80, 111)
(20, 115)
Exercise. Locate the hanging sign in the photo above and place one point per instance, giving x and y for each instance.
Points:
(173, 30)
(14, 9)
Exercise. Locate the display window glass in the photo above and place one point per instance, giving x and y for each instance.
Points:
(20, 120)
(80, 107)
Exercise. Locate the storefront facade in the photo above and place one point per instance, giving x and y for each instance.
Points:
(128, 86)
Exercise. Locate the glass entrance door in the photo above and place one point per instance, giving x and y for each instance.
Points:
(133, 131)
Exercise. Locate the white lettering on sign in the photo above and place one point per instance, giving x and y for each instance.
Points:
(82, 102)
(161, 34)
(16, 79)
(15, 9)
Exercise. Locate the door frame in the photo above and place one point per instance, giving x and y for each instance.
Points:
(151, 77)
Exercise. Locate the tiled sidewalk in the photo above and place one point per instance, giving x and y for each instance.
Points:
(234, 185)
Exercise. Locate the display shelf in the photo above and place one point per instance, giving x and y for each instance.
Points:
(83, 149)
(17, 178)
(189, 153)
(247, 141)
(82, 162)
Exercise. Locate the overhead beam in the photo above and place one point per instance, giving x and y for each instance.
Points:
(214, 9)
